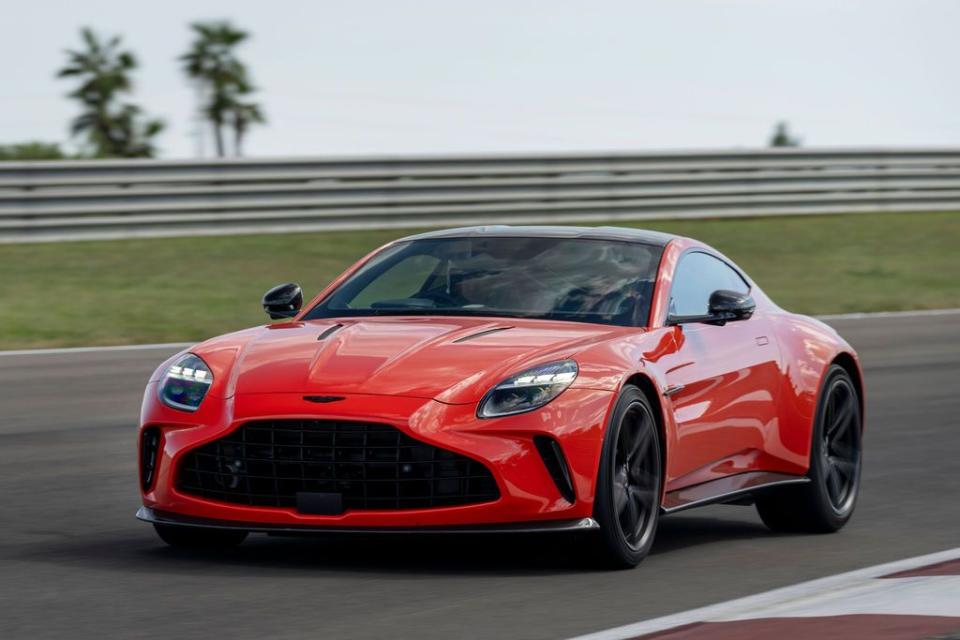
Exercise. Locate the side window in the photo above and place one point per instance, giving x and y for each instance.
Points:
(697, 276)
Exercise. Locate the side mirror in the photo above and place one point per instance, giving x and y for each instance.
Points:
(283, 301)
(724, 306)
(728, 306)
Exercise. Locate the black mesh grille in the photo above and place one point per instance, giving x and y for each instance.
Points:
(372, 466)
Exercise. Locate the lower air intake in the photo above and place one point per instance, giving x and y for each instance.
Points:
(149, 448)
(556, 464)
(371, 466)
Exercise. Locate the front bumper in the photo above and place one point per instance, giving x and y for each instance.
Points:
(528, 494)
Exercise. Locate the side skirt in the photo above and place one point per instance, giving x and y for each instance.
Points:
(727, 489)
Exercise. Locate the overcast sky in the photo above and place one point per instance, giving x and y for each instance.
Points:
(392, 76)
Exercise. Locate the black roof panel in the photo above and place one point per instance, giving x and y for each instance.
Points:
(545, 231)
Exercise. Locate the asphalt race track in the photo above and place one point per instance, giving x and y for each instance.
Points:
(75, 563)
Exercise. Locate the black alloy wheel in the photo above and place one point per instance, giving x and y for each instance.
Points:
(826, 503)
(636, 474)
(629, 482)
(841, 444)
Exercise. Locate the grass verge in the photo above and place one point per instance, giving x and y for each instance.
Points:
(180, 289)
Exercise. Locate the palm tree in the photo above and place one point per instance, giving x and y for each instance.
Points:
(137, 134)
(243, 115)
(222, 79)
(112, 129)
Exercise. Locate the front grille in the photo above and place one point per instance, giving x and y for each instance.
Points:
(372, 466)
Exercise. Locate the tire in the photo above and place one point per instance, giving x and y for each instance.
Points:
(199, 537)
(826, 503)
(629, 481)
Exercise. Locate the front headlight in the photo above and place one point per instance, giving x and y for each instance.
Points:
(185, 383)
(528, 390)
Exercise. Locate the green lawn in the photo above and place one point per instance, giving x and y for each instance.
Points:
(178, 289)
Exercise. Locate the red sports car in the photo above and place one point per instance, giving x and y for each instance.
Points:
(508, 379)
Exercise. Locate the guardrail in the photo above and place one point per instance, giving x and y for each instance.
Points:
(45, 201)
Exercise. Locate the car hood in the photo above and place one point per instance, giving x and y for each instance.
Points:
(450, 359)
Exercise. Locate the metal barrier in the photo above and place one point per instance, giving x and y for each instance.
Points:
(46, 201)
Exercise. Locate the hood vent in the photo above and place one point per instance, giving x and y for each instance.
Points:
(329, 331)
(479, 334)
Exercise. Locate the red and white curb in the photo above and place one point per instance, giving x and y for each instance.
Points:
(917, 598)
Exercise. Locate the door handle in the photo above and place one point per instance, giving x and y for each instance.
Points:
(762, 341)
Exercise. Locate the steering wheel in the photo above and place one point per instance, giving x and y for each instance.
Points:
(443, 299)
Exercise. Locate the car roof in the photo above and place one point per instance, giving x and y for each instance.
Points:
(545, 231)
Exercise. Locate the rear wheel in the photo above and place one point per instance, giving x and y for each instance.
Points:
(199, 537)
(627, 504)
(826, 503)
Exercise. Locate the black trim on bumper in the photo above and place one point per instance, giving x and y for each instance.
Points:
(154, 517)
(556, 464)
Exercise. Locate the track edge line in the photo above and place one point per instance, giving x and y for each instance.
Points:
(739, 606)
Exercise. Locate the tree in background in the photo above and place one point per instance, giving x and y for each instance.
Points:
(31, 151)
(223, 81)
(112, 129)
(244, 115)
(782, 137)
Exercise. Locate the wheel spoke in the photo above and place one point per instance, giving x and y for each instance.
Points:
(620, 498)
(637, 498)
(841, 421)
(632, 514)
(841, 450)
(634, 437)
(625, 445)
(645, 497)
(833, 483)
(641, 442)
(831, 411)
(641, 477)
(845, 468)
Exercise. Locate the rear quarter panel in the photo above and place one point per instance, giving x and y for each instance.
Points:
(808, 347)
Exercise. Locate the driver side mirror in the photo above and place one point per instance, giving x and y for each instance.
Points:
(724, 306)
(283, 301)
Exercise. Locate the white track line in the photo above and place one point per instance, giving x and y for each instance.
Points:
(182, 345)
(890, 314)
(122, 347)
(758, 605)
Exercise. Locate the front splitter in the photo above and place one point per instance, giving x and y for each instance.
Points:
(549, 526)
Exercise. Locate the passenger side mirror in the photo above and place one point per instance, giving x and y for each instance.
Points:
(283, 301)
(724, 306)
(728, 306)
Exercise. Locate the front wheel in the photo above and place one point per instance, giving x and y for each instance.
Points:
(627, 504)
(199, 537)
(825, 504)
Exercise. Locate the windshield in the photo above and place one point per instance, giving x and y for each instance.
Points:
(586, 280)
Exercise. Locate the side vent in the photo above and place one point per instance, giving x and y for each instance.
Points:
(556, 465)
(329, 331)
(149, 449)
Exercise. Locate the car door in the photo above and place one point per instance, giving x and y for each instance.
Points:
(721, 380)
